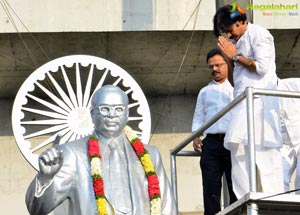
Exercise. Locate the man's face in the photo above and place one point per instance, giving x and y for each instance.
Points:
(218, 68)
(236, 31)
(110, 114)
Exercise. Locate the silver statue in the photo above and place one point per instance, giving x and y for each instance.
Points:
(65, 173)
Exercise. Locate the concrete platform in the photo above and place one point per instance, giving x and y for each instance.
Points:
(280, 204)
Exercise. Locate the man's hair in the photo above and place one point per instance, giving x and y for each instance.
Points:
(213, 52)
(225, 17)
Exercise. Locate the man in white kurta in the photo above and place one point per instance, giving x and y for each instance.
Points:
(252, 51)
(290, 122)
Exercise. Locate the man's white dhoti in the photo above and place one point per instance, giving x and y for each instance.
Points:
(268, 165)
(291, 162)
(267, 149)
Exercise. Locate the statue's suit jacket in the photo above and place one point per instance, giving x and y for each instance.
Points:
(73, 182)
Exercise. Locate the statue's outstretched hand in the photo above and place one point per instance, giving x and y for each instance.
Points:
(50, 161)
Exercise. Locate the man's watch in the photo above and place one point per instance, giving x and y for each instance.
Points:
(235, 58)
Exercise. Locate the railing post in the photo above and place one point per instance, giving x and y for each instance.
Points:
(252, 207)
(251, 138)
(174, 176)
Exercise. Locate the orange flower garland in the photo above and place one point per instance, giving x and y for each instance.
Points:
(144, 157)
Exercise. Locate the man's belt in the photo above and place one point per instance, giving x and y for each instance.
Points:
(217, 135)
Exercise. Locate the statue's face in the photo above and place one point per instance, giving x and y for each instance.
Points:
(110, 113)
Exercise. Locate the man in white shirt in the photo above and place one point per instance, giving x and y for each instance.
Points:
(290, 124)
(252, 52)
(215, 159)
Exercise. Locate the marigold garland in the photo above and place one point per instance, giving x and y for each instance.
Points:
(143, 155)
(153, 183)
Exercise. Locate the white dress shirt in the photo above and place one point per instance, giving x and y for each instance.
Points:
(211, 99)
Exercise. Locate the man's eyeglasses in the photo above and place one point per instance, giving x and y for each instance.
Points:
(218, 65)
(106, 110)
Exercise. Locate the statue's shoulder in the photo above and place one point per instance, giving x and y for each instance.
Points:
(154, 152)
(151, 148)
(76, 146)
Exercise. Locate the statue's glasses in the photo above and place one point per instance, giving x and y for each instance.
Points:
(116, 110)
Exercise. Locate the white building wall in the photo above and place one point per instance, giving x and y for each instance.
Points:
(102, 15)
(131, 15)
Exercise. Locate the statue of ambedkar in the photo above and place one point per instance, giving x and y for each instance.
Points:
(109, 172)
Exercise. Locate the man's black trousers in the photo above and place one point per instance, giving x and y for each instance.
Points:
(215, 161)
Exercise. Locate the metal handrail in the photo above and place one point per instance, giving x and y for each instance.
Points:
(249, 94)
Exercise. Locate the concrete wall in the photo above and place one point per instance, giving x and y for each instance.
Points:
(171, 123)
(101, 15)
(133, 15)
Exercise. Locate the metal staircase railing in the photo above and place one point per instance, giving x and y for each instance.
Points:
(248, 94)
